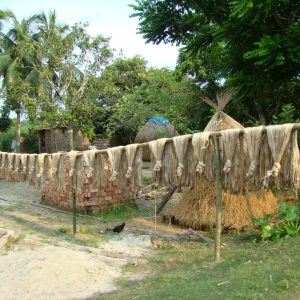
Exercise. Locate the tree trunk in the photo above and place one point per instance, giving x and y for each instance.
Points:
(18, 132)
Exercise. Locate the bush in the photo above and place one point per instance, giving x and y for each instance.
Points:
(286, 223)
(28, 133)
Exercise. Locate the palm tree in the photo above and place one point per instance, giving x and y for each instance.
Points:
(16, 68)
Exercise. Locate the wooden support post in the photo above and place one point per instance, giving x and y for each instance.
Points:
(218, 199)
(166, 198)
(74, 208)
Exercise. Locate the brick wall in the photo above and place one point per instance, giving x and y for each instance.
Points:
(104, 199)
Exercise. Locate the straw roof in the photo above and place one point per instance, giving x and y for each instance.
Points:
(220, 120)
(151, 131)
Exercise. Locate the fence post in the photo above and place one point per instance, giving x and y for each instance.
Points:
(74, 207)
(218, 199)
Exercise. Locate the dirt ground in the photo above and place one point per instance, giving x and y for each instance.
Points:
(45, 261)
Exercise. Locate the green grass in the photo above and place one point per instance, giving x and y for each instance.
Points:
(123, 211)
(269, 270)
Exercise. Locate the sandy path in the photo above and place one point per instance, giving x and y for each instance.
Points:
(36, 269)
(61, 272)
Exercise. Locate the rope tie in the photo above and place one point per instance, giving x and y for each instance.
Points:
(228, 166)
(251, 169)
(114, 175)
(200, 167)
(158, 165)
(129, 172)
(180, 169)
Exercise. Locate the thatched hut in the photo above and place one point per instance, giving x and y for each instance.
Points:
(155, 128)
(197, 207)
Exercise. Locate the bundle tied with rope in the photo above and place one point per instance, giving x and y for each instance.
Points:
(134, 166)
(17, 176)
(76, 170)
(31, 168)
(95, 168)
(24, 164)
(164, 161)
(117, 163)
(10, 167)
(253, 139)
(278, 140)
(185, 160)
(2, 165)
(234, 155)
(200, 142)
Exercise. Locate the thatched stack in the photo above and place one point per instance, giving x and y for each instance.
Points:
(197, 207)
(153, 131)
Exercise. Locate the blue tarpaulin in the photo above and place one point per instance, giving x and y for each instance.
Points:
(159, 120)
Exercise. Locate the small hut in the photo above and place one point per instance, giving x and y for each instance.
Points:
(61, 140)
(156, 128)
(197, 207)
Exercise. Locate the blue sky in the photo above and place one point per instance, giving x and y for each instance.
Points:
(107, 17)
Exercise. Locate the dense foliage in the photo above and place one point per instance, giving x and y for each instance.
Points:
(253, 45)
(286, 223)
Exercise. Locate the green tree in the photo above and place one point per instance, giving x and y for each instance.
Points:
(69, 61)
(160, 94)
(16, 67)
(260, 40)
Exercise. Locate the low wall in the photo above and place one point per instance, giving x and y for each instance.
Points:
(91, 199)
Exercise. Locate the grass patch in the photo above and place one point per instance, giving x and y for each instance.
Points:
(268, 270)
(147, 180)
(12, 207)
(123, 211)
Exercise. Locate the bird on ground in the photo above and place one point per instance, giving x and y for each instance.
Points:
(119, 228)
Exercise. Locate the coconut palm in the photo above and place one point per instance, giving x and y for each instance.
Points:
(16, 68)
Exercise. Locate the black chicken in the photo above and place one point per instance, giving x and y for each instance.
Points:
(119, 228)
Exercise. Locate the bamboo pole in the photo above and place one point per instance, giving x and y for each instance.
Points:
(74, 204)
(218, 199)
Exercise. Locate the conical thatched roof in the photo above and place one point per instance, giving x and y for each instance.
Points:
(220, 120)
(151, 131)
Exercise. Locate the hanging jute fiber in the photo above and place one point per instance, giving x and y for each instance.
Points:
(241, 202)
(134, 166)
(197, 208)
(117, 157)
(185, 156)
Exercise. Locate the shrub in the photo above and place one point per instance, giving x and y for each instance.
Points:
(286, 223)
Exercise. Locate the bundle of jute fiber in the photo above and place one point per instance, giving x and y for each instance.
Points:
(17, 175)
(76, 170)
(197, 209)
(24, 164)
(89, 161)
(3, 156)
(234, 157)
(118, 162)
(164, 161)
(134, 166)
(253, 139)
(185, 156)
(200, 142)
(78, 175)
(289, 175)
(93, 161)
(60, 179)
(278, 139)
(55, 159)
(40, 169)
(10, 167)
(157, 150)
(31, 169)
